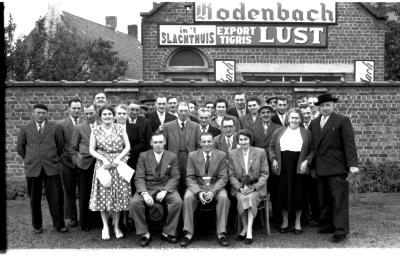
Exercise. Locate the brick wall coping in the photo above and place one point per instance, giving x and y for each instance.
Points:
(166, 83)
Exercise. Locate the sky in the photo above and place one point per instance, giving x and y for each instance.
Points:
(25, 13)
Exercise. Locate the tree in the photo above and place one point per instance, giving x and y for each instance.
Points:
(62, 54)
(392, 46)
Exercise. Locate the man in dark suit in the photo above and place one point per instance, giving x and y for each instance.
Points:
(240, 108)
(335, 157)
(68, 170)
(159, 117)
(156, 180)
(84, 163)
(40, 144)
(281, 109)
(182, 136)
(205, 118)
(206, 180)
(262, 132)
(226, 141)
(248, 120)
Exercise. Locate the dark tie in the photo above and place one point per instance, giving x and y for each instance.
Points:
(158, 168)
(229, 143)
(203, 129)
(40, 128)
(75, 122)
(182, 125)
(207, 163)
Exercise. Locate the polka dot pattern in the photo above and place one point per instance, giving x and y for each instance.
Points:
(114, 198)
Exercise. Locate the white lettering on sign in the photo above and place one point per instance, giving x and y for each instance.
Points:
(225, 70)
(364, 70)
(267, 12)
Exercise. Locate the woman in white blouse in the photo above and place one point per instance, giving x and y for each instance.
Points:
(290, 155)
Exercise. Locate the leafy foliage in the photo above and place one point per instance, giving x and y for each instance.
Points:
(392, 47)
(62, 54)
(377, 177)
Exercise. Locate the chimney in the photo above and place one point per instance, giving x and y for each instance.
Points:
(111, 22)
(132, 30)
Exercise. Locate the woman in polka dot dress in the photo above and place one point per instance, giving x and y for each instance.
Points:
(109, 144)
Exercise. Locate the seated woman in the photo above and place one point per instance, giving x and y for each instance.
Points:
(248, 173)
(109, 144)
(290, 154)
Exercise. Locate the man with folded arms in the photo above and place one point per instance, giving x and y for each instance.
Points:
(206, 178)
(40, 144)
(156, 180)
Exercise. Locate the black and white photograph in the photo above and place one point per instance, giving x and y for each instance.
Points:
(206, 128)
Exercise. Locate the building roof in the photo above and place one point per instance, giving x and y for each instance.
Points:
(128, 47)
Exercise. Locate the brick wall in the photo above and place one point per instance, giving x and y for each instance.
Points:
(357, 35)
(373, 109)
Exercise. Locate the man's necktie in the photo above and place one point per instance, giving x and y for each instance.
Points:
(40, 128)
(76, 122)
(182, 125)
(229, 144)
(207, 163)
(158, 167)
(203, 129)
(323, 121)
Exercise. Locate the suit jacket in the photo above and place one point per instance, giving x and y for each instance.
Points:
(155, 121)
(238, 125)
(213, 130)
(334, 147)
(147, 179)
(275, 119)
(217, 170)
(247, 121)
(262, 139)
(220, 143)
(275, 148)
(139, 135)
(171, 133)
(80, 145)
(257, 169)
(193, 118)
(67, 128)
(40, 150)
(233, 111)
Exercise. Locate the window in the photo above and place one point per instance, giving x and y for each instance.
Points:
(186, 57)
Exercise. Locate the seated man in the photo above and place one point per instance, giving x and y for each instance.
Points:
(156, 180)
(206, 177)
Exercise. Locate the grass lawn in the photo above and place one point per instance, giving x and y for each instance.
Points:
(374, 223)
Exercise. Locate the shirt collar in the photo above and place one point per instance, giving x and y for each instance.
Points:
(160, 114)
(205, 154)
(158, 155)
(180, 122)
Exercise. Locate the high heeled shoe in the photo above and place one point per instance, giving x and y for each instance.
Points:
(105, 234)
(119, 234)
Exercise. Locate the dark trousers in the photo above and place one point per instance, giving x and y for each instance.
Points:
(85, 178)
(273, 188)
(54, 195)
(69, 180)
(182, 163)
(313, 199)
(334, 202)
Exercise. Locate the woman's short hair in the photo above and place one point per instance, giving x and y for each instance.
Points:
(107, 107)
(246, 133)
(293, 110)
(122, 106)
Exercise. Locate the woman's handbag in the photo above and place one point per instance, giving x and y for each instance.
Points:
(104, 176)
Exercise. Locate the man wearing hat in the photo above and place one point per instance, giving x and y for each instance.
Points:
(272, 102)
(335, 157)
(262, 132)
(148, 102)
(40, 145)
(156, 180)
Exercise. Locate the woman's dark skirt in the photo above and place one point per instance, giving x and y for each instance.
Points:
(291, 187)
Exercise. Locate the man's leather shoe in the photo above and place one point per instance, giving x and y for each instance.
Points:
(169, 239)
(86, 229)
(38, 231)
(62, 230)
(337, 238)
(327, 230)
(284, 230)
(144, 241)
(297, 231)
(185, 241)
(240, 238)
(223, 241)
(248, 241)
(73, 223)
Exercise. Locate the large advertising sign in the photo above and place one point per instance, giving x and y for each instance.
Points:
(317, 12)
(215, 35)
(364, 70)
(225, 70)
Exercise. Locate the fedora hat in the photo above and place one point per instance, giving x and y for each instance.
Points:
(147, 98)
(325, 98)
(266, 106)
(156, 212)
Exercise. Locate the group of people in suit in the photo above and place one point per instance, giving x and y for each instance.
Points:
(184, 158)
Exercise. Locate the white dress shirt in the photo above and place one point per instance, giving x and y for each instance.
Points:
(246, 160)
(291, 140)
(158, 156)
(161, 116)
(38, 125)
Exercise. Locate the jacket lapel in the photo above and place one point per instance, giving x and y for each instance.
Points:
(176, 131)
(241, 159)
(201, 163)
(252, 157)
(45, 129)
(34, 128)
(152, 162)
(164, 164)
